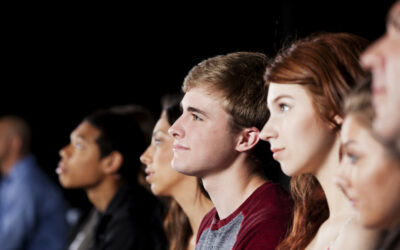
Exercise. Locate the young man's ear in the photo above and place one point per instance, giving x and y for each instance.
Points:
(248, 139)
(112, 163)
(337, 121)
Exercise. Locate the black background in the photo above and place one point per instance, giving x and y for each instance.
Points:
(60, 63)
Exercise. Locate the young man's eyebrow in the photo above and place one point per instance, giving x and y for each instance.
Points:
(196, 110)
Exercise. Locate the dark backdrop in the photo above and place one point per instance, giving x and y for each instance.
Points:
(62, 62)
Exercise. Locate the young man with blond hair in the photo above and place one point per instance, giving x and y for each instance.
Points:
(216, 139)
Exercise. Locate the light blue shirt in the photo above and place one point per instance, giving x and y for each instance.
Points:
(32, 210)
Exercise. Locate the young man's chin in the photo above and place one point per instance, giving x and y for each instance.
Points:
(181, 168)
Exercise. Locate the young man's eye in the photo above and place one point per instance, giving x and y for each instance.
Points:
(196, 117)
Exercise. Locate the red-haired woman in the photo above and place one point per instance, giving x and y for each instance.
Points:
(306, 86)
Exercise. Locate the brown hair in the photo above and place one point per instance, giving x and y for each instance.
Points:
(177, 227)
(237, 78)
(359, 104)
(327, 65)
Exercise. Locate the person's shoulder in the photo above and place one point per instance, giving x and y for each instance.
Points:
(137, 207)
(270, 207)
(132, 223)
(259, 237)
(140, 200)
(271, 196)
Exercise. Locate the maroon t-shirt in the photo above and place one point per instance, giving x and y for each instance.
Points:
(260, 222)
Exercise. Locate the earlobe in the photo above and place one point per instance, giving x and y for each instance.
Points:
(338, 119)
(113, 162)
(248, 139)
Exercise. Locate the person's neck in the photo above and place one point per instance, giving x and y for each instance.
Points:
(230, 187)
(102, 194)
(339, 205)
(9, 162)
(193, 202)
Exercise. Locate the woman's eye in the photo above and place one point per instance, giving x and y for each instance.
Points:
(283, 107)
(352, 158)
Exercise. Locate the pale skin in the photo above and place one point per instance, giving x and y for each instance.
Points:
(383, 59)
(303, 143)
(204, 146)
(165, 181)
(369, 175)
(82, 167)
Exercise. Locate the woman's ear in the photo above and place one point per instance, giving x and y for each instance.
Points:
(112, 163)
(248, 138)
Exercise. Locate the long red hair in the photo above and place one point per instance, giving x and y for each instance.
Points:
(327, 65)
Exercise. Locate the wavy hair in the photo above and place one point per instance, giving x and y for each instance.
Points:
(327, 65)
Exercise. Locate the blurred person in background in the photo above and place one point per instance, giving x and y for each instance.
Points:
(370, 171)
(382, 58)
(32, 208)
(102, 158)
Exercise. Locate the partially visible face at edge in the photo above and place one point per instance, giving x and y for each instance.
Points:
(369, 176)
(383, 59)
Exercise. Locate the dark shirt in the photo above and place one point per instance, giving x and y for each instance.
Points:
(132, 220)
(83, 234)
(392, 240)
